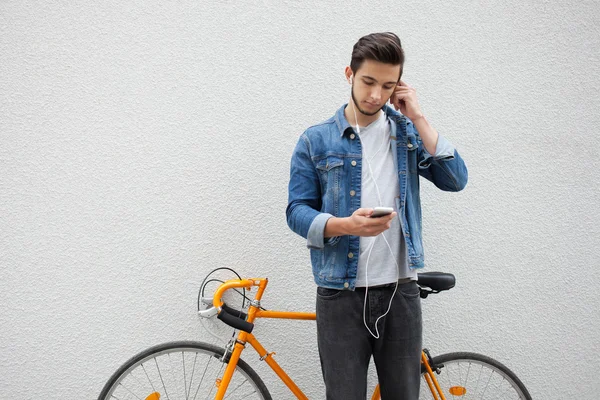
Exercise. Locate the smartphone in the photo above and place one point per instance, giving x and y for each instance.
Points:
(381, 211)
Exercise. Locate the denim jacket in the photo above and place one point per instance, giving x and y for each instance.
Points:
(325, 181)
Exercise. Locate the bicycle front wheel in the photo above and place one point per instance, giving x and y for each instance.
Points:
(181, 370)
(474, 376)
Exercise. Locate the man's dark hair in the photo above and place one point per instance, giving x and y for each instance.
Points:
(384, 47)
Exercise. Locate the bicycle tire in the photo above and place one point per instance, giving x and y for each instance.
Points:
(129, 386)
(506, 385)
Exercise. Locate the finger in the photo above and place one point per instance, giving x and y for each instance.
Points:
(385, 221)
(365, 212)
(403, 90)
(374, 223)
(379, 222)
(402, 93)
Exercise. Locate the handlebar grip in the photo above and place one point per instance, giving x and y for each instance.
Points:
(234, 321)
(234, 312)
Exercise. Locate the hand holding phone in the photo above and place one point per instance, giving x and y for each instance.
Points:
(365, 222)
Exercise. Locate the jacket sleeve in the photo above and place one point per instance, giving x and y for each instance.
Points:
(446, 168)
(304, 198)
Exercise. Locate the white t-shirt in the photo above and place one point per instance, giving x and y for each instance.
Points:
(378, 167)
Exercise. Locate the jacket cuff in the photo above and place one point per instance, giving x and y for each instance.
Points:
(315, 238)
(444, 150)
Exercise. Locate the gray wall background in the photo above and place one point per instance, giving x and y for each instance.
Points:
(145, 143)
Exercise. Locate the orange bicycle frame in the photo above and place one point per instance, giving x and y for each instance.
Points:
(245, 337)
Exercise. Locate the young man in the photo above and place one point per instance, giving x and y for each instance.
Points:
(368, 155)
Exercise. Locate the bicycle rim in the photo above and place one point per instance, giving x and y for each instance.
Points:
(182, 370)
(474, 376)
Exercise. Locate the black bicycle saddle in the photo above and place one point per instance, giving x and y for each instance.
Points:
(436, 281)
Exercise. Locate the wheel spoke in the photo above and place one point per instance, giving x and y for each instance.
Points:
(461, 379)
(149, 380)
(192, 377)
(237, 387)
(467, 377)
(488, 383)
(459, 374)
(249, 393)
(161, 379)
(202, 379)
(182, 371)
(450, 382)
(505, 390)
(212, 387)
(174, 391)
(479, 378)
(184, 377)
(122, 385)
(126, 388)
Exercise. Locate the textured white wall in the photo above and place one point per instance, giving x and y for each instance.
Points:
(145, 143)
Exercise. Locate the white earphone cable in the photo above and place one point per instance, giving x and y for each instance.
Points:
(370, 248)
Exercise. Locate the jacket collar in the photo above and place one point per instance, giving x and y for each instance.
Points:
(344, 126)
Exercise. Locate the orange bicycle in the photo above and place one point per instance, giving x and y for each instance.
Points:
(197, 370)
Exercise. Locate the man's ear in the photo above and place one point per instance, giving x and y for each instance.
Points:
(348, 72)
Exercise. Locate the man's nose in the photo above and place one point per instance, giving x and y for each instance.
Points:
(376, 94)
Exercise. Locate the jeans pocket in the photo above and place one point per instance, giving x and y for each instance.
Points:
(409, 290)
(328, 294)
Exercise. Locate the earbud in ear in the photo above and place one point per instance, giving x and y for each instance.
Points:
(351, 79)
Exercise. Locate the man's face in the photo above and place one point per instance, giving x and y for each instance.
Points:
(373, 84)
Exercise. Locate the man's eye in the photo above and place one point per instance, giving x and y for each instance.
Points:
(388, 88)
(368, 83)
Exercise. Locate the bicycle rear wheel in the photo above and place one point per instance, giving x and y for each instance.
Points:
(475, 376)
(181, 370)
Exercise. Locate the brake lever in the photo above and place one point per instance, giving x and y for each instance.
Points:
(209, 312)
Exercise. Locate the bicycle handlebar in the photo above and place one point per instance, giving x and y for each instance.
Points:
(234, 312)
(230, 316)
(226, 313)
(235, 322)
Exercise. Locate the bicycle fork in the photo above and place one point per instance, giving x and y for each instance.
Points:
(240, 344)
(434, 386)
(233, 356)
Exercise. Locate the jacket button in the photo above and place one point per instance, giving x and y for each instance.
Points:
(352, 136)
(346, 285)
(352, 193)
(409, 145)
(350, 255)
(353, 163)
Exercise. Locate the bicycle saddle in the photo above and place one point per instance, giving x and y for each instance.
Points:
(436, 281)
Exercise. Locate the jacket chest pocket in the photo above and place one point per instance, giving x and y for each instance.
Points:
(412, 145)
(331, 171)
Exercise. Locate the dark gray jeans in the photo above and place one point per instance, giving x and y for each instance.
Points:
(346, 346)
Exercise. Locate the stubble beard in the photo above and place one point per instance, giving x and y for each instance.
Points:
(358, 107)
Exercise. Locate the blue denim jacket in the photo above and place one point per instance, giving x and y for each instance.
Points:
(324, 183)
